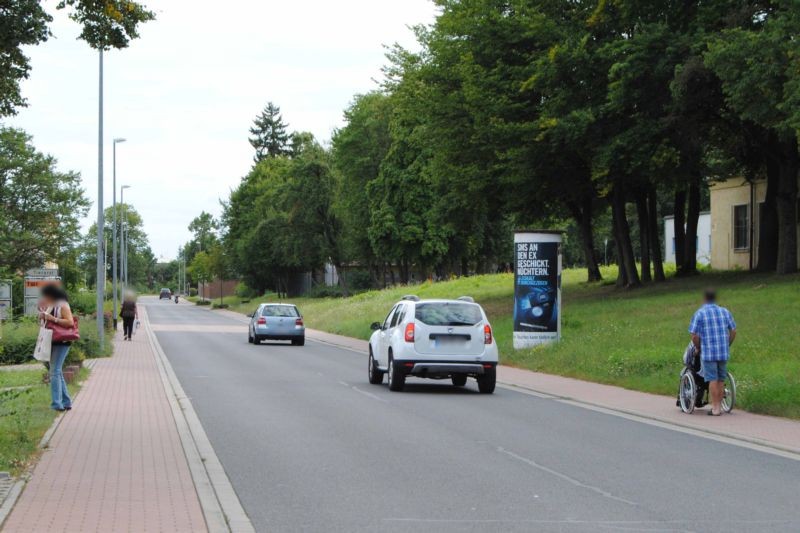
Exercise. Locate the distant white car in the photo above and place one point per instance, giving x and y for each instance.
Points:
(435, 339)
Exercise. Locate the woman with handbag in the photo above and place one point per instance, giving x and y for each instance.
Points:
(56, 314)
(129, 313)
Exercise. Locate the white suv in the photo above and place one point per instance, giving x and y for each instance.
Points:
(436, 339)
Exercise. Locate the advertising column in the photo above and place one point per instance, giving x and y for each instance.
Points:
(537, 287)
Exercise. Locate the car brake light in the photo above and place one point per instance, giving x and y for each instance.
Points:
(298, 322)
(410, 332)
(487, 334)
(262, 320)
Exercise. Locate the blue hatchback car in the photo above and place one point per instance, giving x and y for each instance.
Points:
(280, 322)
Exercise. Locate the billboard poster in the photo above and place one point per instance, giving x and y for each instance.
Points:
(537, 288)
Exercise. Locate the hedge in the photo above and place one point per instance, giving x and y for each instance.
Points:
(19, 340)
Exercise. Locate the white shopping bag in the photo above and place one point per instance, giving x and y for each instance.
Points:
(44, 344)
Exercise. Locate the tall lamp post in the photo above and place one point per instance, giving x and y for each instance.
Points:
(123, 244)
(101, 275)
(114, 243)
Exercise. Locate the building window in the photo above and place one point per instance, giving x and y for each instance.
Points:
(741, 227)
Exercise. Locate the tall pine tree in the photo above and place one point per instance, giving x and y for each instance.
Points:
(269, 137)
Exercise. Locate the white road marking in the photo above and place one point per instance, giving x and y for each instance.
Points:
(565, 477)
(369, 394)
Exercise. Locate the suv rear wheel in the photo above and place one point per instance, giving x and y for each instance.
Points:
(487, 380)
(397, 379)
(375, 375)
(459, 380)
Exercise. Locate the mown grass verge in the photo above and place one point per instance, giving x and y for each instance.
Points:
(630, 338)
(25, 416)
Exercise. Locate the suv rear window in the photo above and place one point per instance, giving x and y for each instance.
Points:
(448, 314)
(279, 310)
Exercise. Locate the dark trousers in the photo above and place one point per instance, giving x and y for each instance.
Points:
(127, 326)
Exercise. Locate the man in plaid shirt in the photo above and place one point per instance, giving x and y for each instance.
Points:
(713, 331)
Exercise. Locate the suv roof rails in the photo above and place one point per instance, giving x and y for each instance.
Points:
(469, 299)
(412, 297)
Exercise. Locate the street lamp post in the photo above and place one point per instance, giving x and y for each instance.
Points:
(101, 278)
(123, 243)
(114, 243)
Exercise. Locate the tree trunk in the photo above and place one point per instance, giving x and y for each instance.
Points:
(623, 236)
(689, 266)
(768, 221)
(583, 217)
(342, 279)
(786, 202)
(653, 230)
(680, 227)
(644, 234)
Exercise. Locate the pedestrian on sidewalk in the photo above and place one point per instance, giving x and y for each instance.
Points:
(54, 308)
(129, 313)
(713, 331)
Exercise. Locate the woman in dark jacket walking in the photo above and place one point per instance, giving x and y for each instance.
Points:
(129, 313)
(54, 308)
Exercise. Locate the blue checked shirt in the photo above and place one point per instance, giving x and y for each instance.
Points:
(712, 324)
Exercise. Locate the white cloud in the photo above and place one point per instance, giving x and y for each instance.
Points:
(184, 94)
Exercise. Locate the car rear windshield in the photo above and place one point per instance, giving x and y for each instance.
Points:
(448, 314)
(280, 310)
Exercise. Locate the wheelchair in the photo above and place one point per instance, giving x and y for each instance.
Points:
(693, 389)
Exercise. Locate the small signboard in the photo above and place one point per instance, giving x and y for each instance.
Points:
(41, 273)
(5, 300)
(537, 288)
(35, 279)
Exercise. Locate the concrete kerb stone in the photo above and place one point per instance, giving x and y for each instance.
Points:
(222, 509)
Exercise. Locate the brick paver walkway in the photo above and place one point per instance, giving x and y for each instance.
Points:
(115, 463)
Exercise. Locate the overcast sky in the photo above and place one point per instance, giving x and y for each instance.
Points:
(185, 94)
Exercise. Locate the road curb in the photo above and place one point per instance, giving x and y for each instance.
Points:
(729, 438)
(221, 507)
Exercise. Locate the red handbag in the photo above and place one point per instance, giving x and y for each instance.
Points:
(65, 333)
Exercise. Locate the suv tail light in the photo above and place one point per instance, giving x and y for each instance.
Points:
(298, 322)
(487, 334)
(409, 332)
(262, 320)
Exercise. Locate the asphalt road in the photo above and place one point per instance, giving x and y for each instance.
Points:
(310, 445)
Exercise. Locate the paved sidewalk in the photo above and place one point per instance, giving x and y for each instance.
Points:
(778, 433)
(115, 463)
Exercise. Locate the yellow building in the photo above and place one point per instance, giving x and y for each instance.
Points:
(736, 210)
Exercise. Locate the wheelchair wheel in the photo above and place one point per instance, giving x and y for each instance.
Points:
(687, 392)
(729, 395)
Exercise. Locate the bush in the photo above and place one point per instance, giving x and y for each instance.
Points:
(83, 303)
(192, 291)
(358, 280)
(219, 306)
(324, 291)
(203, 302)
(89, 343)
(243, 291)
(18, 342)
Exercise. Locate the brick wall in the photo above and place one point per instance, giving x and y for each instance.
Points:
(211, 290)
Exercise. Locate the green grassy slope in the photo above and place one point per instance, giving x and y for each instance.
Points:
(631, 338)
